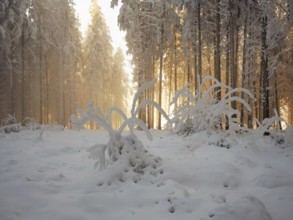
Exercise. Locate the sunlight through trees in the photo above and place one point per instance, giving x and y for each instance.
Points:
(47, 69)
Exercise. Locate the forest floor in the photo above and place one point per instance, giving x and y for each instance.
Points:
(208, 175)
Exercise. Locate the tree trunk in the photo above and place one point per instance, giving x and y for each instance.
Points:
(160, 87)
(41, 69)
(60, 113)
(277, 102)
(217, 55)
(244, 73)
(227, 63)
(232, 50)
(188, 69)
(236, 58)
(161, 67)
(13, 90)
(264, 69)
(195, 66)
(170, 84)
(199, 47)
(251, 70)
(47, 91)
(227, 72)
(250, 83)
(175, 69)
(22, 74)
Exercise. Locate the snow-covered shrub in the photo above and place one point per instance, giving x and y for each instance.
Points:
(203, 111)
(54, 128)
(126, 154)
(30, 124)
(222, 142)
(271, 127)
(268, 124)
(221, 139)
(11, 128)
(10, 125)
(132, 161)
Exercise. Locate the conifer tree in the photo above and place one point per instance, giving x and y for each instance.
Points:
(97, 60)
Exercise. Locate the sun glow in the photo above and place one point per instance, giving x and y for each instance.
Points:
(82, 8)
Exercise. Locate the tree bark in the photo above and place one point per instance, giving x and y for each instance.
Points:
(244, 72)
(217, 55)
(22, 74)
(161, 67)
(175, 69)
(160, 88)
(277, 102)
(233, 50)
(199, 47)
(41, 69)
(264, 69)
(227, 63)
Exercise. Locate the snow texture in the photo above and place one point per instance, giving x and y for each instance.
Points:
(289, 136)
(195, 177)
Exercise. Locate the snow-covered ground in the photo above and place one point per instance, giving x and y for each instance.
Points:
(202, 176)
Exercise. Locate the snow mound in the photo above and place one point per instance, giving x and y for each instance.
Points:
(246, 208)
(221, 140)
(133, 163)
(273, 180)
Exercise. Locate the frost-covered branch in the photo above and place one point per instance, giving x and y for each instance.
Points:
(117, 144)
(204, 111)
(139, 93)
(268, 123)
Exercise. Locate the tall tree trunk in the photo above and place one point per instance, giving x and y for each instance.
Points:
(236, 57)
(188, 69)
(217, 55)
(277, 102)
(13, 90)
(60, 113)
(244, 72)
(195, 66)
(47, 91)
(199, 47)
(170, 84)
(227, 81)
(232, 49)
(41, 69)
(22, 74)
(160, 87)
(149, 96)
(264, 69)
(209, 63)
(161, 66)
(227, 61)
(175, 68)
(251, 87)
(251, 70)
(153, 91)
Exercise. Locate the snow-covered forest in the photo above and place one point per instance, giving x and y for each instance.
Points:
(244, 44)
(48, 69)
(202, 128)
